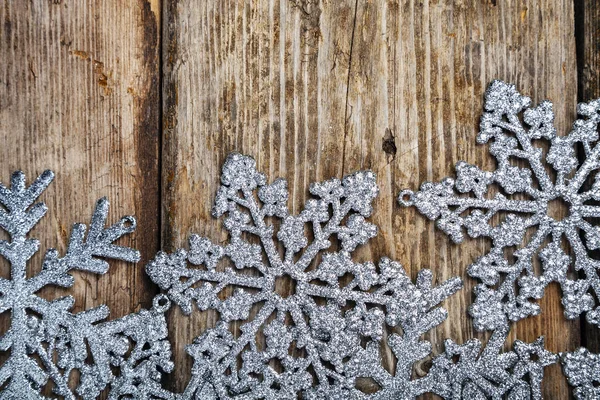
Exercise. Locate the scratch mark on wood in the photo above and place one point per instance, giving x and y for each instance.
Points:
(346, 116)
(84, 55)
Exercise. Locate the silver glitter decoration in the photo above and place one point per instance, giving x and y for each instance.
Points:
(468, 372)
(45, 341)
(582, 369)
(337, 330)
(524, 190)
(324, 336)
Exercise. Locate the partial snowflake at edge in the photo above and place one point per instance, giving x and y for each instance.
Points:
(45, 341)
(509, 291)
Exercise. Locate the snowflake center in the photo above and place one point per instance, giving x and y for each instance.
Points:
(285, 286)
(559, 208)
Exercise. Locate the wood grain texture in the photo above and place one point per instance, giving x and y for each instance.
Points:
(587, 29)
(79, 94)
(314, 90)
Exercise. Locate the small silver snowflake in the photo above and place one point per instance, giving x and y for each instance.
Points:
(340, 327)
(46, 342)
(509, 291)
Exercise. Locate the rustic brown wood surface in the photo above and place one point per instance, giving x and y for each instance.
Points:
(587, 25)
(79, 94)
(141, 102)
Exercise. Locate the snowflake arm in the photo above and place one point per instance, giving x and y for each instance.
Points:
(141, 369)
(582, 369)
(467, 371)
(508, 292)
(416, 311)
(83, 254)
(586, 131)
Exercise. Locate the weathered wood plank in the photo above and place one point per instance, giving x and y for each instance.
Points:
(79, 94)
(318, 89)
(446, 59)
(587, 30)
(267, 79)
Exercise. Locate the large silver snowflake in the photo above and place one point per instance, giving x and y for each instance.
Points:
(340, 314)
(526, 181)
(46, 343)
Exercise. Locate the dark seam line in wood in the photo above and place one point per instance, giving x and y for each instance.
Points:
(348, 89)
(161, 80)
(146, 131)
(579, 25)
(579, 21)
(166, 379)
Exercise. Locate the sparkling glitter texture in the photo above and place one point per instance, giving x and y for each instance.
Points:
(45, 341)
(509, 290)
(339, 329)
(489, 374)
(582, 369)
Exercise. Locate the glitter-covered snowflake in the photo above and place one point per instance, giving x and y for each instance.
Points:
(528, 181)
(338, 325)
(46, 343)
(330, 330)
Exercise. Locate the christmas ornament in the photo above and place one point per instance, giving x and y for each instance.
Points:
(522, 187)
(325, 335)
(329, 332)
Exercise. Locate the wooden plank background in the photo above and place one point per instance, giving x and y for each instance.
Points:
(142, 101)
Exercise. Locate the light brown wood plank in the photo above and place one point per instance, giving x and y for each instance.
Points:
(79, 94)
(312, 90)
(455, 53)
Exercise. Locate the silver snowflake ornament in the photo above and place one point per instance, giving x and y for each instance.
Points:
(337, 325)
(318, 340)
(324, 336)
(45, 342)
(519, 191)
